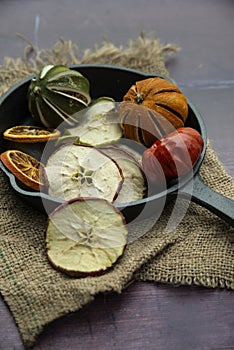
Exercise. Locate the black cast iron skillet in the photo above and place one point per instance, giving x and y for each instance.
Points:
(114, 82)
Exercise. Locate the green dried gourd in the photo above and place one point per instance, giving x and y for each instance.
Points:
(56, 93)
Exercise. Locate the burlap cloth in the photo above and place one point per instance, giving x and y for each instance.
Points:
(199, 251)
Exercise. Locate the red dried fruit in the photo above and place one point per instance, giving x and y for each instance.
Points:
(173, 155)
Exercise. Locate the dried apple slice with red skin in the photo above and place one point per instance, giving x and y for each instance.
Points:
(134, 183)
(82, 171)
(173, 155)
(85, 237)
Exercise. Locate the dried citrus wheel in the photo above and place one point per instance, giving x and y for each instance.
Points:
(30, 134)
(134, 183)
(82, 171)
(90, 241)
(26, 168)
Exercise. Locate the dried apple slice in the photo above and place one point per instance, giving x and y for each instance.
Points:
(100, 125)
(82, 171)
(90, 242)
(134, 184)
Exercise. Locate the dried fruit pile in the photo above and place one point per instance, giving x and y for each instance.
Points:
(90, 168)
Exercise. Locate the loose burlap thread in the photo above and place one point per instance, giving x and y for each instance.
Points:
(199, 251)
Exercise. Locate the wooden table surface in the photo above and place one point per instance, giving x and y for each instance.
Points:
(145, 316)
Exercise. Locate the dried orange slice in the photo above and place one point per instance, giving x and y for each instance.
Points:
(85, 236)
(30, 134)
(25, 168)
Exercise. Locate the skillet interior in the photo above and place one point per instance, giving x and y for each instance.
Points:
(104, 81)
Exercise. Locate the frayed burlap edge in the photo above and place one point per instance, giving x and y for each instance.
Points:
(142, 53)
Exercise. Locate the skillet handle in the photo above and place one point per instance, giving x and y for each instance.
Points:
(209, 199)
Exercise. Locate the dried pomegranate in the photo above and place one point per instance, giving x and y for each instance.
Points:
(174, 155)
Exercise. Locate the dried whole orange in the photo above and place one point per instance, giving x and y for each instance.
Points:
(25, 168)
(142, 124)
(156, 94)
(30, 134)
